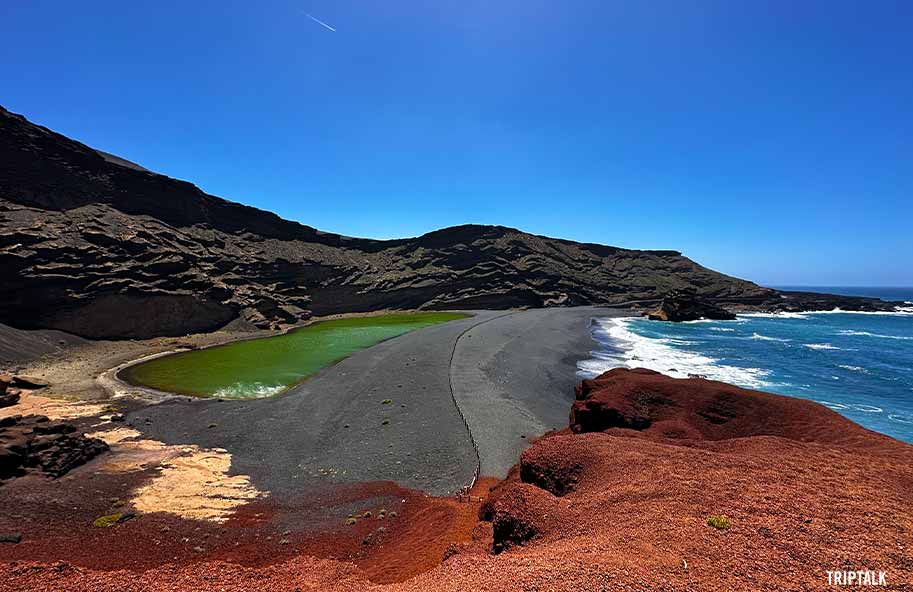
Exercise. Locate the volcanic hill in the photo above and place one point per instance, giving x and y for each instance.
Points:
(100, 247)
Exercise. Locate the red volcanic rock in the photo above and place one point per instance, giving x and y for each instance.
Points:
(649, 459)
(624, 508)
(521, 514)
(697, 409)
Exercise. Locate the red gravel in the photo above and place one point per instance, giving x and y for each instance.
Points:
(805, 490)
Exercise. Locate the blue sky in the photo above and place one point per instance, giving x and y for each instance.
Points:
(771, 139)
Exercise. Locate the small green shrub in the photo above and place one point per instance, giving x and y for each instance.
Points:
(107, 521)
(386, 401)
(720, 522)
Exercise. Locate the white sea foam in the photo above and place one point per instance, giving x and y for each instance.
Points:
(866, 408)
(853, 368)
(898, 310)
(834, 406)
(659, 355)
(249, 390)
(901, 418)
(879, 335)
(759, 337)
(820, 346)
(851, 407)
(722, 329)
(775, 315)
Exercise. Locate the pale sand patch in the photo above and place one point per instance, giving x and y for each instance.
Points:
(32, 404)
(115, 436)
(196, 485)
(192, 482)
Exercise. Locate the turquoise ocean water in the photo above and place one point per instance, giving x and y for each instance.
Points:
(859, 364)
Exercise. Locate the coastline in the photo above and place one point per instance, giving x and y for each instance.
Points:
(299, 532)
(854, 362)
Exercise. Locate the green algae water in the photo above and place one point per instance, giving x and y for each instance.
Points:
(265, 367)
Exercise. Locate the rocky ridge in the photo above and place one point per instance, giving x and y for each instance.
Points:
(99, 247)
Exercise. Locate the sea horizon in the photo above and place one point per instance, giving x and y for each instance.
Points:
(889, 293)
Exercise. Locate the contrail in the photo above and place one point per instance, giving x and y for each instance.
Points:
(320, 22)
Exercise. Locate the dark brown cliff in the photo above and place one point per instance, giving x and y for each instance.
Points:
(98, 246)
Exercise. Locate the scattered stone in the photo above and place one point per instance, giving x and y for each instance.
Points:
(14, 538)
(385, 422)
(33, 442)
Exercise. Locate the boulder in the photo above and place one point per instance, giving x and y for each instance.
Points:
(34, 443)
(28, 382)
(8, 398)
(684, 306)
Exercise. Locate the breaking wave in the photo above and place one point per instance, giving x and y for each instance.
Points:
(879, 335)
(249, 390)
(658, 354)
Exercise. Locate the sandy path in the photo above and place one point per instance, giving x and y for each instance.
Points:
(514, 378)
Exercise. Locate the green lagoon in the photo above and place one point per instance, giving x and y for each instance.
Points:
(268, 366)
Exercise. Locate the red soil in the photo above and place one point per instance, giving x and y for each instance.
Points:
(805, 490)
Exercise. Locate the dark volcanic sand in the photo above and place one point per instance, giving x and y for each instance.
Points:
(513, 373)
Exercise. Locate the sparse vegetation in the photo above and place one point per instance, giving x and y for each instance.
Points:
(386, 401)
(107, 521)
(719, 522)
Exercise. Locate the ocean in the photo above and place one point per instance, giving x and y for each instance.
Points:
(859, 364)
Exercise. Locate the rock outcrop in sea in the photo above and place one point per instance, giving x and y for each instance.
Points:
(687, 306)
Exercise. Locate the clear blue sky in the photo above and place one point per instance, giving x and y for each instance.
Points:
(769, 139)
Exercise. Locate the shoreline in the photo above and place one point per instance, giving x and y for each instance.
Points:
(289, 539)
(112, 379)
(346, 433)
(831, 360)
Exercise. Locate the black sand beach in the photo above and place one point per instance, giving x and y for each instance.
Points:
(512, 374)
